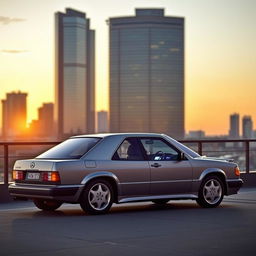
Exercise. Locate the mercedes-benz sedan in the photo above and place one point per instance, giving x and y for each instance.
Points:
(101, 169)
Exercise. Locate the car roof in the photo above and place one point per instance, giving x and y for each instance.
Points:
(130, 134)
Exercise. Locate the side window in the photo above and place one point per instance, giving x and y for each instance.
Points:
(129, 150)
(158, 150)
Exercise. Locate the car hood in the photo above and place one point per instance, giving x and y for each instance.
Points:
(215, 159)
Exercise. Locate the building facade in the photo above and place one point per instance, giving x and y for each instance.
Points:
(102, 121)
(75, 74)
(14, 115)
(147, 73)
(247, 127)
(45, 117)
(234, 126)
(199, 134)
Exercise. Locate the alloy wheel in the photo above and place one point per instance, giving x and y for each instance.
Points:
(99, 196)
(212, 191)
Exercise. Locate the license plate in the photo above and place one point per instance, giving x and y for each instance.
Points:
(33, 175)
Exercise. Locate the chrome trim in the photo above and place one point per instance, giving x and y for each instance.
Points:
(149, 198)
(154, 182)
(238, 179)
(134, 183)
(44, 187)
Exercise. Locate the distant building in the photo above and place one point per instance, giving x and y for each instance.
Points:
(75, 74)
(45, 116)
(247, 127)
(102, 117)
(234, 126)
(35, 129)
(44, 125)
(196, 134)
(147, 73)
(14, 114)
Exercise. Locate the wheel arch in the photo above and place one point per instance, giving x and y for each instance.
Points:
(108, 176)
(215, 172)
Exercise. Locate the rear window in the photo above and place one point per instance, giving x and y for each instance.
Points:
(73, 148)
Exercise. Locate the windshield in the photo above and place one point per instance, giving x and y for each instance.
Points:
(73, 148)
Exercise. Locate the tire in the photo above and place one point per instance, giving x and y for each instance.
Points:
(160, 201)
(211, 192)
(97, 197)
(47, 205)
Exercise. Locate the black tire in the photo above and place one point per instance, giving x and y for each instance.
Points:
(160, 201)
(97, 197)
(211, 192)
(47, 205)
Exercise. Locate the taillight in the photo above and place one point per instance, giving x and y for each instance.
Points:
(237, 171)
(51, 176)
(18, 175)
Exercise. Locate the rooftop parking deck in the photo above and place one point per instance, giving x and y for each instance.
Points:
(179, 228)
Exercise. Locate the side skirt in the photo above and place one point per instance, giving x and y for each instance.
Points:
(150, 198)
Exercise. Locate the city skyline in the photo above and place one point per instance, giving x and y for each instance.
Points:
(218, 74)
(43, 125)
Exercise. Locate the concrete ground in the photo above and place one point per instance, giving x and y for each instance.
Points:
(179, 228)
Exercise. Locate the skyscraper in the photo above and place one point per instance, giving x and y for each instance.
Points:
(247, 127)
(147, 73)
(75, 73)
(102, 121)
(14, 114)
(234, 126)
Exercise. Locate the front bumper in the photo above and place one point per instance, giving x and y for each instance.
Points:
(234, 185)
(69, 193)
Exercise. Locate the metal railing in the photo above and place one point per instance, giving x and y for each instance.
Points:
(243, 150)
(6, 146)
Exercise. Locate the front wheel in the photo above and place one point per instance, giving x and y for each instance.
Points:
(211, 192)
(47, 205)
(97, 197)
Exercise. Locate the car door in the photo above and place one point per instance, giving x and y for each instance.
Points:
(132, 169)
(169, 173)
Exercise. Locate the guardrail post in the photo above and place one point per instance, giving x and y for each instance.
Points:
(6, 164)
(247, 156)
(200, 150)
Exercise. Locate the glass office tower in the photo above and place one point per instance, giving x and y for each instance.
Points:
(74, 86)
(147, 73)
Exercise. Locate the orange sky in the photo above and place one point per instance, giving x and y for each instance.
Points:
(220, 53)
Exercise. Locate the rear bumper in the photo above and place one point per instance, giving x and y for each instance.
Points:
(67, 193)
(233, 186)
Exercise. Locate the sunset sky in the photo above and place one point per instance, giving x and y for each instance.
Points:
(220, 53)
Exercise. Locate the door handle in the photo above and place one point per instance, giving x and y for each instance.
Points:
(156, 165)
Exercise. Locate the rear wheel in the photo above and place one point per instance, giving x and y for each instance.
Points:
(97, 197)
(211, 192)
(160, 201)
(47, 205)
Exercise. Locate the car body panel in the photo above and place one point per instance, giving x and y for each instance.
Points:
(172, 177)
(134, 180)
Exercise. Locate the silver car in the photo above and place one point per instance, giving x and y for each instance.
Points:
(101, 169)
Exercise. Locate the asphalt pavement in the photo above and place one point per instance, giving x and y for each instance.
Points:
(179, 228)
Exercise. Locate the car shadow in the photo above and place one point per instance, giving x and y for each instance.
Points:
(138, 208)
